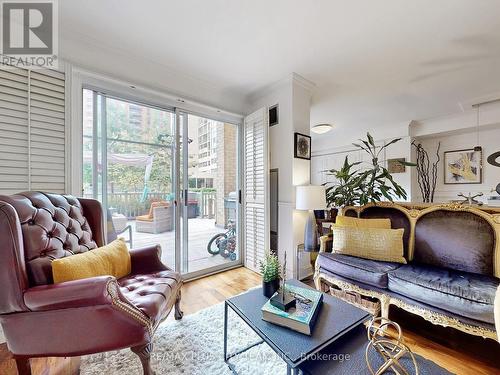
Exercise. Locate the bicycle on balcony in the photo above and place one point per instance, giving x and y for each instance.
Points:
(224, 243)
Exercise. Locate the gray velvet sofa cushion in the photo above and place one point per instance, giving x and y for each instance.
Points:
(466, 294)
(410, 301)
(367, 271)
(456, 240)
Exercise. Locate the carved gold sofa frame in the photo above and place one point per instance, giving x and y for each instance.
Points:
(413, 212)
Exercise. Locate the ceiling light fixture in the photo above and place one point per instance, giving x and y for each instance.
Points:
(322, 128)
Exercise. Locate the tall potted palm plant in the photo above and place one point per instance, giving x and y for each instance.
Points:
(342, 191)
(372, 183)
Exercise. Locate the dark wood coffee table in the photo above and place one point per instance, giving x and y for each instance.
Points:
(336, 318)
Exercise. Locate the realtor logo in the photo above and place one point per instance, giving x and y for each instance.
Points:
(29, 31)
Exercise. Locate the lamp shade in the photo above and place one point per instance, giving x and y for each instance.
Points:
(310, 197)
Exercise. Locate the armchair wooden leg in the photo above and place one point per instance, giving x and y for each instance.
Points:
(178, 314)
(144, 354)
(23, 366)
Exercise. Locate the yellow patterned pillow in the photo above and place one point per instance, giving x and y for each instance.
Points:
(112, 259)
(369, 243)
(347, 221)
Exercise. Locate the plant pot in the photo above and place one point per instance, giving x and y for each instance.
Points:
(270, 287)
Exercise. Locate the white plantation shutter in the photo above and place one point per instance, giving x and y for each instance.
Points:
(47, 131)
(32, 130)
(256, 203)
(14, 136)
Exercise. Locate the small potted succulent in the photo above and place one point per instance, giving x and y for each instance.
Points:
(270, 270)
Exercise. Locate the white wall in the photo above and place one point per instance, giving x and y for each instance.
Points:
(402, 149)
(489, 139)
(336, 139)
(301, 107)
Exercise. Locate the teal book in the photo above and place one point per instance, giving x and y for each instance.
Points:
(302, 317)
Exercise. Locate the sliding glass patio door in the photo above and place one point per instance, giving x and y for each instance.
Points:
(128, 156)
(164, 177)
(210, 200)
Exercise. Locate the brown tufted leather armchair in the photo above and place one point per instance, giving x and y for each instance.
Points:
(42, 319)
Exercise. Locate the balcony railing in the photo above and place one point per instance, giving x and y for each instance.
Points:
(130, 205)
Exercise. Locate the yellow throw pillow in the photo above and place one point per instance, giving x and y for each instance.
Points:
(112, 259)
(369, 243)
(347, 221)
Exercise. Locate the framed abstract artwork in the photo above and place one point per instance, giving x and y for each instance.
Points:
(302, 146)
(463, 167)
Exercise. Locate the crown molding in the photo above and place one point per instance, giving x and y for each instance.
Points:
(469, 104)
(303, 82)
(457, 123)
(290, 79)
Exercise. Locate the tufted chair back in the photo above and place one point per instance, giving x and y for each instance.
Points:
(51, 226)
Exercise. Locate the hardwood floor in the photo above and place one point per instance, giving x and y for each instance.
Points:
(460, 354)
(456, 351)
(208, 291)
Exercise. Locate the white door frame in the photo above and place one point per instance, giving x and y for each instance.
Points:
(182, 190)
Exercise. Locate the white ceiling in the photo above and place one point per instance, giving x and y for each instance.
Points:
(375, 63)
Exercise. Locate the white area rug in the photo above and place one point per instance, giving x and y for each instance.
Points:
(192, 346)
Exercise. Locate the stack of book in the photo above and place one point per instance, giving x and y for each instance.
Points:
(302, 317)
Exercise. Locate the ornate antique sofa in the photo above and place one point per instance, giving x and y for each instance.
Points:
(453, 270)
(40, 318)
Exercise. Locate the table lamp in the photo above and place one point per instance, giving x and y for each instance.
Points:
(310, 197)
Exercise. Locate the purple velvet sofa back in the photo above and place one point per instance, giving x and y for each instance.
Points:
(458, 240)
(449, 238)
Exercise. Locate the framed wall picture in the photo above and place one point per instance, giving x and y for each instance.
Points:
(463, 167)
(302, 146)
(396, 165)
(274, 115)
